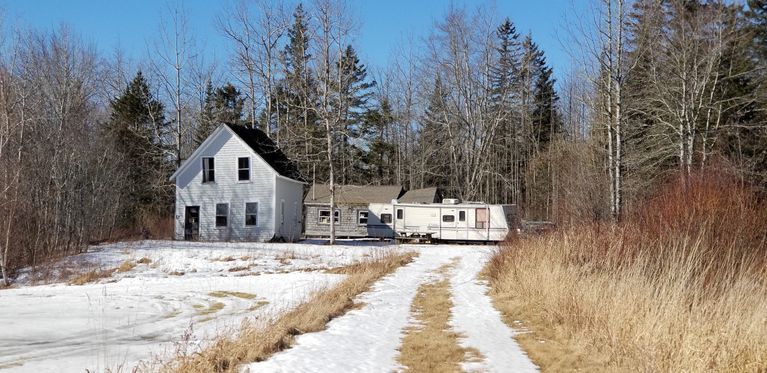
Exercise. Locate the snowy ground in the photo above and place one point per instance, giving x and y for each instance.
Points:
(146, 311)
(183, 287)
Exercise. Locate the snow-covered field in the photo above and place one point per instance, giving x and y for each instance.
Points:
(200, 289)
(204, 289)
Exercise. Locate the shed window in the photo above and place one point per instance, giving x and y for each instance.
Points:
(243, 168)
(461, 215)
(362, 218)
(324, 216)
(386, 218)
(222, 214)
(251, 213)
(448, 218)
(400, 213)
(208, 170)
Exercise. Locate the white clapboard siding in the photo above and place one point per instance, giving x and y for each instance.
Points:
(225, 147)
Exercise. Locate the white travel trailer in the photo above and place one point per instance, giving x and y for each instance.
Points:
(450, 220)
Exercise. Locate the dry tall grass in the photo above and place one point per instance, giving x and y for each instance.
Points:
(256, 342)
(679, 287)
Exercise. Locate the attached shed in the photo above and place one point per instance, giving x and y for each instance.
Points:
(352, 208)
(238, 186)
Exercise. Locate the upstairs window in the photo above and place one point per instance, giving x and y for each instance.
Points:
(386, 218)
(222, 214)
(251, 213)
(324, 216)
(243, 169)
(208, 170)
(362, 218)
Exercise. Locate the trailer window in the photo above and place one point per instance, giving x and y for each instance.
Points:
(386, 218)
(400, 213)
(448, 218)
(482, 218)
(362, 218)
(461, 215)
(324, 216)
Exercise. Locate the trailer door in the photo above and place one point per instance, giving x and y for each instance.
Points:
(462, 225)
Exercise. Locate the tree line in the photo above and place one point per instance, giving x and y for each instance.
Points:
(657, 88)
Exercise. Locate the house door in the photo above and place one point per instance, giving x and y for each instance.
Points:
(192, 223)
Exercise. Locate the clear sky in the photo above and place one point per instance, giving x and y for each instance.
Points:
(132, 24)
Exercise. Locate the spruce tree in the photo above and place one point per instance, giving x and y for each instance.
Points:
(224, 105)
(136, 127)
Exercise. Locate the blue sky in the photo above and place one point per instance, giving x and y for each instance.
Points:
(132, 24)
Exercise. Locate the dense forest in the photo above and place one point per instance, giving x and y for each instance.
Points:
(657, 89)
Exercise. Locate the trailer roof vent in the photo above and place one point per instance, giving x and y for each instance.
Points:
(451, 201)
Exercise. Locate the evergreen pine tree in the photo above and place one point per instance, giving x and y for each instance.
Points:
(135, 129)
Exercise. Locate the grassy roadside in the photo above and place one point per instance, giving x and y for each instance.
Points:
(431, 346)
(679, 287)
(257, 342)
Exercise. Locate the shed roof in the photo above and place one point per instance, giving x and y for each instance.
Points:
(354, 194)
(424, 195)
(268, 150)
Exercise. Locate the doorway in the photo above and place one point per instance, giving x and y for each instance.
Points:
(192, 223)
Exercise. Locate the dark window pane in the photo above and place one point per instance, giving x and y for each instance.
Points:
(222, 209)
(448, 218)
(399, 213)
(243, 174)
(243, 162)
(251, 208)
(461, 215)
(208, 170)
(221, 221)
(386, 218)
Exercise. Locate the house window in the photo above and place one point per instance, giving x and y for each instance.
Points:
(324, 216)
(448, 218)
(386, 218)
(400, 213)
(222, 214)
(208, 171)
(362, 218)
(251, 213)
(243, 168)
(461, 215)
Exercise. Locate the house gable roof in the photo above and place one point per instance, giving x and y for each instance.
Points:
(257, 141)
(425, 195)
(354, 194)
(268, 150)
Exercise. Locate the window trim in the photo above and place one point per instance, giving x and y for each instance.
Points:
(215, 222)
(336, 219)
(249, 169)
(209, 179)
(359, 217)
(249, 214)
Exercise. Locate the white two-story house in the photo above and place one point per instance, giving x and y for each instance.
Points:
(238, 186)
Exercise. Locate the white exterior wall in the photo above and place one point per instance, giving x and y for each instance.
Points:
(289, 196)
(225, 148)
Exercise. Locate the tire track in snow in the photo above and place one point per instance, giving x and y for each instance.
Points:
(480, 324)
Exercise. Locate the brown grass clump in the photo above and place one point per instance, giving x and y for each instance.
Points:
(144, 260)
(431, 346)
(257, 342)
(679, 286)
(91, 276)
(126, 266)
